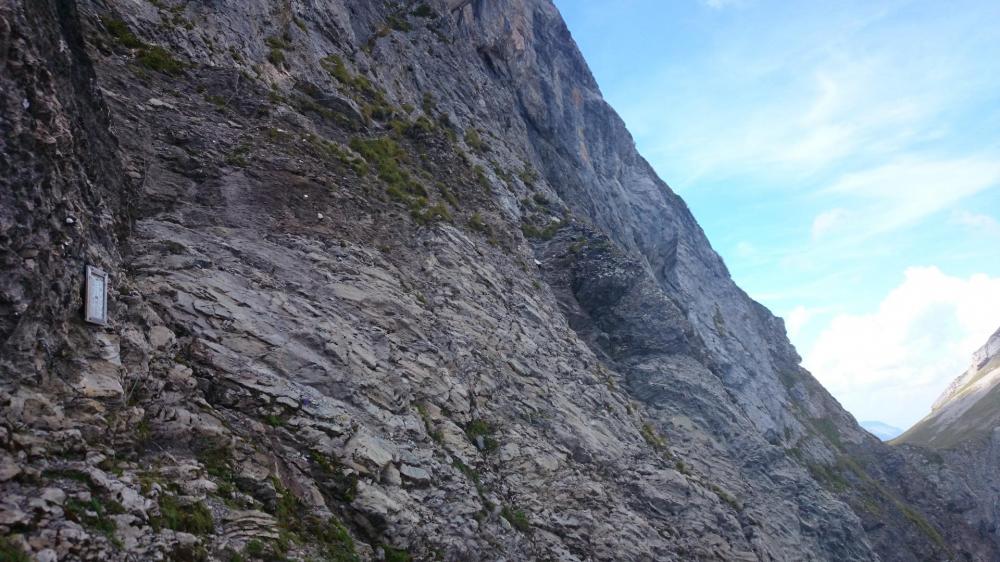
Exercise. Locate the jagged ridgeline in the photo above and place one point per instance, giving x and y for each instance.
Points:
(388, 281)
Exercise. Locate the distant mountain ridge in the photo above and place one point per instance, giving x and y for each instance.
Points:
(882, 430)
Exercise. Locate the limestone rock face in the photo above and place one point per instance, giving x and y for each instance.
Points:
(390, 280)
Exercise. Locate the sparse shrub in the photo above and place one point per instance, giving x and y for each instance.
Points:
(276, 57)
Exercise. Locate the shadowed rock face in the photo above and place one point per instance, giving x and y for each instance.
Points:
(390, 281)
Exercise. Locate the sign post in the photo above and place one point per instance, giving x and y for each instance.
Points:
(96, 307)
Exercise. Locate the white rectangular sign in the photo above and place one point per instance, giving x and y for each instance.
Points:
(96, 308)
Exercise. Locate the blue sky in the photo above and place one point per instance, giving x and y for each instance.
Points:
(843, 157)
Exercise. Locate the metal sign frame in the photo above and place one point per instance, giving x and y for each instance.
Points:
(95, 308)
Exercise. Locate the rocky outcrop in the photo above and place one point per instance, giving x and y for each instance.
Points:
(390, 281)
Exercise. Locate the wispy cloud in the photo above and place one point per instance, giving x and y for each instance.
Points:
(720, 4)
(908, 189)
(978, 222)
(827, 221)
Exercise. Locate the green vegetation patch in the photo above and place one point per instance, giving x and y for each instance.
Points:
(653, 437)
(152, 57)
(371, 99)
(159, 59)
(94, 514)
(343, 485)
(517, 518)
(121, 32)
(483, 429)
(435, 434)
(475, 141)
(477, 224)
(11, 553)
(297, 525)
(424, 11)
(194, 518)
(547, 233)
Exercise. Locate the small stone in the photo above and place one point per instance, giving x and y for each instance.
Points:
(415, 474)
(100, 384)
(160, 337)
(70, 220)
(54, 495)
(319, 216)
(305, 196)
(11, 515)
(47, 555)
(390, 476)
(8, 469)
(368, 452)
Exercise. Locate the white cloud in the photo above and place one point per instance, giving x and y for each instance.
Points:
(797, 319)
(890, 365)
(827, 221)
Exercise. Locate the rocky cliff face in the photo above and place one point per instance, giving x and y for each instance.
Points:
(390, 281)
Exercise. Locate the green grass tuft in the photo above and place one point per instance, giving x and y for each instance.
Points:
(159, 59)
(11, 553)
(482, 428)
(517, 518)
(195, 518)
